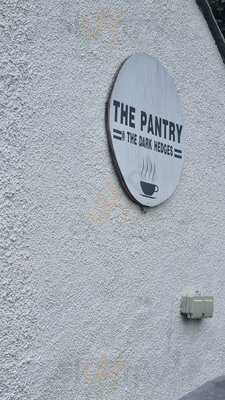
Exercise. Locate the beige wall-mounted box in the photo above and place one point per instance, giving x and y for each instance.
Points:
(197, 307)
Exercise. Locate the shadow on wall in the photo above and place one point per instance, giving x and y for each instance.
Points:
(212, 390)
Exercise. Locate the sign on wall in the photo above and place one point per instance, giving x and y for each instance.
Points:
(145, 130)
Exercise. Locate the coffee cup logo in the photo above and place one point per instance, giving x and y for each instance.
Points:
(148, 173)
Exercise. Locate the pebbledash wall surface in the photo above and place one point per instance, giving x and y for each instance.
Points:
(91, 285)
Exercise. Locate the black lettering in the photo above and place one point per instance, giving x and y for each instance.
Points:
(124, 114)
(179, 130)
(131, 117)
(132, 138)
(143, 119)
(150, 125)
(145, 142)
(172, 131)
(148, 143)
(116, 105)
(165, 123)
(158, 126)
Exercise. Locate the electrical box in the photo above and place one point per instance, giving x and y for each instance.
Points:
(197, 307)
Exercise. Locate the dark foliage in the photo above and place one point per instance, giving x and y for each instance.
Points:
(218, 8)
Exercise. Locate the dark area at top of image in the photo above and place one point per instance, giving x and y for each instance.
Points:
(218, 9)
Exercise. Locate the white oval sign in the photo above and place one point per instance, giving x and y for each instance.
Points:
(145, 130)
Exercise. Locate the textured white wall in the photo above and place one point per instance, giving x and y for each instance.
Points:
(90, 285)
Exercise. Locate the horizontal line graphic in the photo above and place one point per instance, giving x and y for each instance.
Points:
(177, 151)
(117, 131)
(177, 155)
(120, 135)
(117, 137)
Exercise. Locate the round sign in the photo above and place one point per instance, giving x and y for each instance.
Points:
(145, 130)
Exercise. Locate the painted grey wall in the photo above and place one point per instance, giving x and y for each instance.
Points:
(90, 285)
